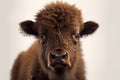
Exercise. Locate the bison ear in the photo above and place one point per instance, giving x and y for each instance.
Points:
(88, 28)
(28, 27)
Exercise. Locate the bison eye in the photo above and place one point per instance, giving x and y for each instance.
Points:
(41, 36)
(76, 36)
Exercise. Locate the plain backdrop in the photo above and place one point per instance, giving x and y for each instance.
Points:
(101, 50)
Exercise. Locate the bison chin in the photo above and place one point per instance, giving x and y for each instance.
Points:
(59, 67)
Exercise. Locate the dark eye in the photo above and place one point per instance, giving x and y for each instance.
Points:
(41, 36)
(76, 36)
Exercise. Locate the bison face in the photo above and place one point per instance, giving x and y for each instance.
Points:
(59, 46)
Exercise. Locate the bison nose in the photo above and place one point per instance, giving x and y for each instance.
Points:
(60, 56)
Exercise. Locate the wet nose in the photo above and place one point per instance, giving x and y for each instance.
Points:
(58, 55)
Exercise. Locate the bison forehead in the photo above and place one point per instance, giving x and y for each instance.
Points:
(59, 14)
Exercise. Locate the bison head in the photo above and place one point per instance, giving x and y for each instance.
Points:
(58, 27)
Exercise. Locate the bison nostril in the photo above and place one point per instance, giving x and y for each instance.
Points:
(53, 56)
(64, 56)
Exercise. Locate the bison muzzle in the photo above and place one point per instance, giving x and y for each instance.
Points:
(59, 60)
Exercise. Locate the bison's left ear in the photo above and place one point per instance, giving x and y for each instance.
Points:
(88, 28)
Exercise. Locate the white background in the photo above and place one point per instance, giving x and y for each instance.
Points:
(101, 50)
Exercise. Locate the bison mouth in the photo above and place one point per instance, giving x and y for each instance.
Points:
(59, 67)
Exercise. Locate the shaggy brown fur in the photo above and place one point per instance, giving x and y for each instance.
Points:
(56, 54)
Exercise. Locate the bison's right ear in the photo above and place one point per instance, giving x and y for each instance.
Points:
(28, 27)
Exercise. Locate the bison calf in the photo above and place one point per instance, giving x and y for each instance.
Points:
(56, 53)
